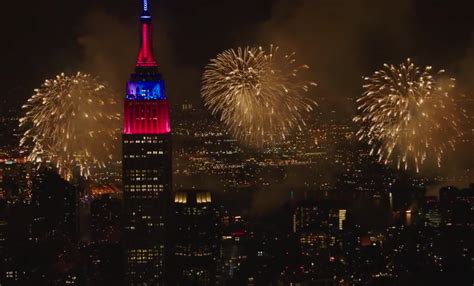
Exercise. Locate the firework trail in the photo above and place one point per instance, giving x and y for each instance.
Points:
(257, 94)
(407, 115)
(70, 121)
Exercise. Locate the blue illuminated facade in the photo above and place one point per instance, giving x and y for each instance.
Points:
(146, 90)
(145, 14)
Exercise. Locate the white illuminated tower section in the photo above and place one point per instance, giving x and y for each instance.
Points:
(146, 166)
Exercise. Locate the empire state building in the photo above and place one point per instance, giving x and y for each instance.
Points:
(146, 165)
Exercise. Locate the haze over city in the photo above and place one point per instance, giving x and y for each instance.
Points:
(264, 142)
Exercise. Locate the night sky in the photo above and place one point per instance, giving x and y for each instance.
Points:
(256, 192)
(340, 40)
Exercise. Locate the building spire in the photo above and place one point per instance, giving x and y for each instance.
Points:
(145, 12)
(145, 54)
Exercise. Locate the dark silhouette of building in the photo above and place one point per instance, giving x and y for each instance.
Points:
(196, 239)
(102, 254)
(103, 264)
(457, 205)
(430, 212)
(146, 166)
(42, 234)
(54, 207)
(233, 249)
(3, 240)
(15, 182)
(105, 219)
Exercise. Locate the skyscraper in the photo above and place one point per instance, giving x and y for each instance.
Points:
(196, 238)
(146, 165)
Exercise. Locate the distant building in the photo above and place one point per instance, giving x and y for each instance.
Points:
(42, 234)
(15, 180)
(54, 207)
(3, 248)
(326, 215)
(105, 219)
(196, 239)
(186, 106)
(319, 228)
(457, 205)
(103, 264)
(430, 212)
(234, 248)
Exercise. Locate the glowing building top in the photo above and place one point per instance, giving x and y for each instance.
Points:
(145, 55)
(146, 109)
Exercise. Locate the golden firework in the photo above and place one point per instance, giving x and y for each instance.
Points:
(70, 121)
(258, 94)
(407, 115)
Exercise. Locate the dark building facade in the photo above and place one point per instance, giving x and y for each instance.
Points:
(42, 234)
(146, 166)
(54, 207)
(105, 217)
(196, 238)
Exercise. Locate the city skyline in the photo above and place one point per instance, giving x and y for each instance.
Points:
(303, 142)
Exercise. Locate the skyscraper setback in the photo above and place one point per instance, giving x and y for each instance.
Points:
(146, 165)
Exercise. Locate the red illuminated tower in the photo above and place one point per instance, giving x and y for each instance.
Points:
(146, 166)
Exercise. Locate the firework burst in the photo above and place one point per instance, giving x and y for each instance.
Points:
(407, 115)
(257, 94)
(70, 121)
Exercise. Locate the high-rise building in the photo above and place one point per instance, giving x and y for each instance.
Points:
(196, 239)
(43, 234)
(234, 253)
(146, 165)
(54, 208)
(102, 264)
(104, 218)
(430, 212)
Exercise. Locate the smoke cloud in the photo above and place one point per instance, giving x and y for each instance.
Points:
(345, 40)
(340, 40)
